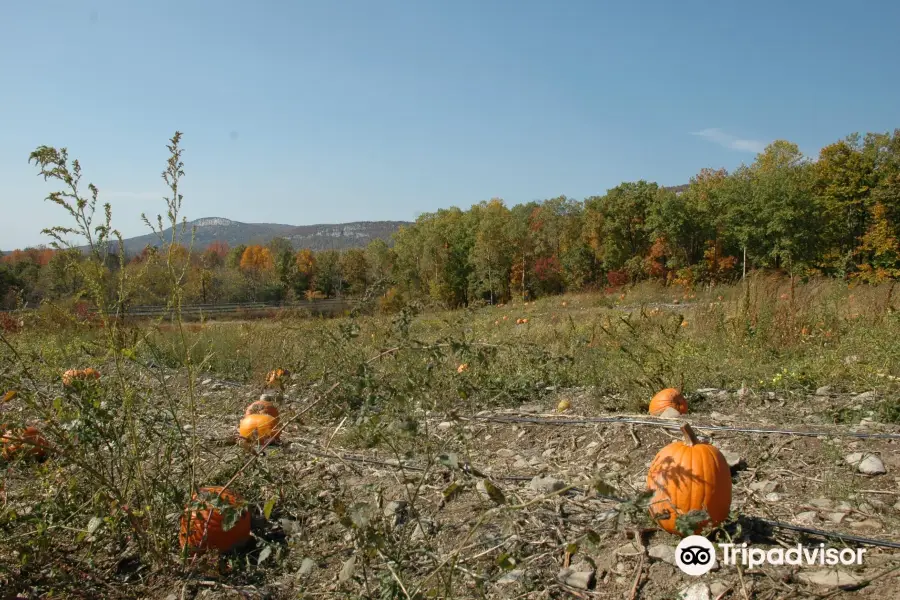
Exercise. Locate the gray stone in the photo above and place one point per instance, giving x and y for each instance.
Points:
(829, 577)
(865, 396)
(505, 453)
(289, 526)
(765, 486)
(306, 567)
(445, 425)
(849, 360)
(347, 569)
(697, 591)
(806, 518)
(521, 463)
(867, 464)
(825, 390)
(835, 517)
(822, 503)
(546, 485)
(732, 458)
(548, 452)
(582, 580)
(718, 588)
(512, 577)
(867, 525)
(629, 549)
(662, 552)
(670, 413)
(396, 510)
(773, 497)
(206, 382)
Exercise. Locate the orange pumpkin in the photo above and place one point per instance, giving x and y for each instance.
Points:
(73, 375)
(686, 476)
(668, 398)
(259, 426)
(194, 525)
(277, 377)
(28, 439)
(261, 407)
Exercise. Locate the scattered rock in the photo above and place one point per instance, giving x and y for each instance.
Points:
(806, 518)
(521, 463)
(306, 567)
(396, 509)
(835, 517)
(582, 580)
(825, 390)
(732, 458)
(865, 396)
(663, 552)
(629, 549)
(445, 425)
(347, 570)
(718, 588)
(548, 452)
(821, 503)
(289, 526)
(867, 525)
(670, 413)
(505, 453)
(764, 487)
(829, 577)
(546, 485)
(512, 577)
(849, 360)
(867, 464)
(773, 497)
(206, 382)
(530, 408)
(698, 591)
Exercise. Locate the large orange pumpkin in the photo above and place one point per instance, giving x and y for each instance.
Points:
(686, 476)
(261, 407)
(260, 426)
(668, 398)
(27, 440)
(194, 521)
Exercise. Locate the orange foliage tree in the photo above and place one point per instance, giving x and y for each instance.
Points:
(256, 259)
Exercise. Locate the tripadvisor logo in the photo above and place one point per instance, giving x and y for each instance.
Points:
(696, 555)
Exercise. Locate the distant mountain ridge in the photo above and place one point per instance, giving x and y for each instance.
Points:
(339, 236)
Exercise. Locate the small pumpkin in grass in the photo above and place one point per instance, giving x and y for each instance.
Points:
(228, 525)
(668, 398)
(686, 476)
(277, 377)
(261, 407)
(259, 426)
(73, 375)
(28, 440)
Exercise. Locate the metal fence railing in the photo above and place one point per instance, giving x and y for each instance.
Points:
(322, 306)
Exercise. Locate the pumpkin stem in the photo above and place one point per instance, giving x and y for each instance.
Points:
(690, 438)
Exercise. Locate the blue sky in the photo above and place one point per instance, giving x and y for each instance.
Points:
(341, 110)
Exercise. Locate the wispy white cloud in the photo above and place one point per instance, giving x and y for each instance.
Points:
(717, 136)
(132, 195)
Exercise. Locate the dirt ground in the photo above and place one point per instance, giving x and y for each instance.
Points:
(574, 544)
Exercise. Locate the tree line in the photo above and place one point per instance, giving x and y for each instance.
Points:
(836, 215)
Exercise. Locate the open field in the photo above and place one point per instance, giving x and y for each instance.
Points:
(391, 425)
